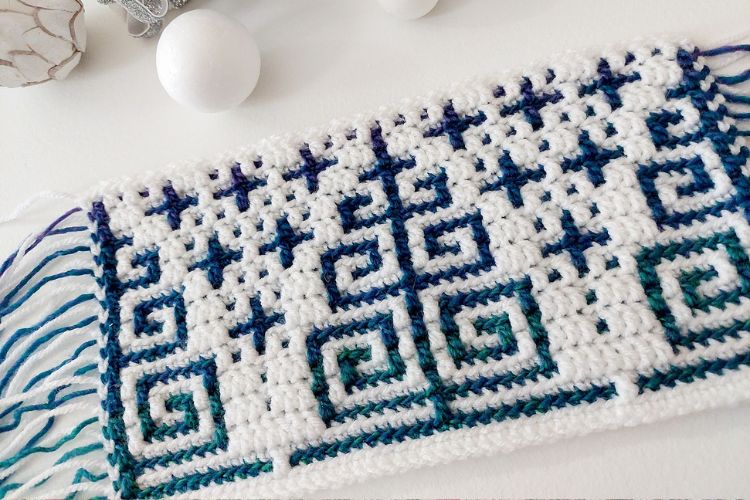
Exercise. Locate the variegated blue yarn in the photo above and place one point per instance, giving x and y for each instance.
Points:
(511, 262)
(48, 366)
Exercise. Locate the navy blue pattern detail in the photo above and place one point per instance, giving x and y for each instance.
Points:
(144, 326)
(484, 261)
(437, 182)
(385, 169)
(216, 260)
(347, 211)
(373, 265)
(240, 187)
(120, 456)
(701, 183)
(609, 84)
(338, 299)
(453, 126)
(310, 168)
(148, 259)
(710, 130)
(285, 241)
(575, 242)
(128, 466)
(452, 277)
(173, 206)
(512, 178)
(531, 103)
(592, 158)
(658, 123)
(257, 325)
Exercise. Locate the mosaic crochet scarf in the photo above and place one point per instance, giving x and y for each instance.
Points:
(511, 262)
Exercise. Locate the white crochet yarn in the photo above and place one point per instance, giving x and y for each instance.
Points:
(460, 276)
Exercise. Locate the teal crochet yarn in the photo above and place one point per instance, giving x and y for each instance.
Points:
(510, 262)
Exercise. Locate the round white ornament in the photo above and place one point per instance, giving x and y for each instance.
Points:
(40, 40)
(408, 9)
(207, 61)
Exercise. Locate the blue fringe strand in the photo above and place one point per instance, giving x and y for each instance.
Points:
(48, 367)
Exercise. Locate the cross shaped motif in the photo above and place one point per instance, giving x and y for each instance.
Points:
(216, 260)
(453, 126)
(608, 84)
(575, 242)
(240, 187)
(285, 241)
(172, 206)
(530, 104)
(310, 168)
(512, 179)
(257, 325)
(592, 158)
(383, 161)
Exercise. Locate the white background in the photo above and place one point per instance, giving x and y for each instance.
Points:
(333, 59)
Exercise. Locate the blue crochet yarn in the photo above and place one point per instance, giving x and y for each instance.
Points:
(539, 245)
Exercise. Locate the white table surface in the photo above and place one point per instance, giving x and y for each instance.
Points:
(329, 59)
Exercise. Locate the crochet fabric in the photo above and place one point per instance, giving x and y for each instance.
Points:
(505, 264)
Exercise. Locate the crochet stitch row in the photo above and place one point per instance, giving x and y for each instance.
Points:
(553, 246)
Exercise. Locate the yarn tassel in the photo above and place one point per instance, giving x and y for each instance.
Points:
(49, 427)
(732, 85)
(51, 436)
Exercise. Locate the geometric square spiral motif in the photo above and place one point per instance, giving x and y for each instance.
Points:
(192, 393)
(700, 286)
(563, 241)
(492, 331)
(356, 361)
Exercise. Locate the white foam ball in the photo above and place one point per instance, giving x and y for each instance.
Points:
(207, 61)
(408, 9)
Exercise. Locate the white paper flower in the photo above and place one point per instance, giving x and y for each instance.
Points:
(40, 40)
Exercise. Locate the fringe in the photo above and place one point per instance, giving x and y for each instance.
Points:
(49, 427)
(52, 441)
(732, 84)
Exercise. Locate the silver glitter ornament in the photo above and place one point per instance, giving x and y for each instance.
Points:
(145, 17)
